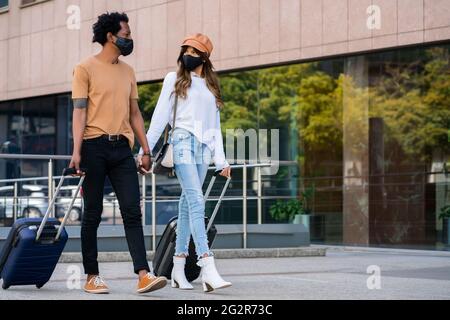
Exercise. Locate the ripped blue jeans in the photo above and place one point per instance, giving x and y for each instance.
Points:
(191, 161)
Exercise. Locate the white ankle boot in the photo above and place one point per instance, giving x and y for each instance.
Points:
(178, 276)
(211, 279)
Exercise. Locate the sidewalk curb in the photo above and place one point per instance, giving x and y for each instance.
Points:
(75, 257)
(374, 250)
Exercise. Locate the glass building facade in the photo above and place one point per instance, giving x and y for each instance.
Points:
(364, 141)
(34, 126)
(369, 136)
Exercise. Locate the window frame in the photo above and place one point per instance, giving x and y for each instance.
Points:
(4, 9)
(31, 3)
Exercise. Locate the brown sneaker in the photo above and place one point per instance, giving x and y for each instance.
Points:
(96, 285)
(151, 283)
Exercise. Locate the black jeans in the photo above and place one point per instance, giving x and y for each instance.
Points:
(104, 158)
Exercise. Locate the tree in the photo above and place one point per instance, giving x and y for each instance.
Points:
(413, 99)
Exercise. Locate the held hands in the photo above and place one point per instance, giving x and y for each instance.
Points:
(144, 164)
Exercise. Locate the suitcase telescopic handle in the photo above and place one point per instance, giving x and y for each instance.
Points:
(217, 172)
(208, 191)
(211, 183)
(66, 172)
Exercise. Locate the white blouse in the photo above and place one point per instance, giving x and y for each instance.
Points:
(198, 114)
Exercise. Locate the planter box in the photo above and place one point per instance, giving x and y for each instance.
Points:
(303, 219)
(229, 236)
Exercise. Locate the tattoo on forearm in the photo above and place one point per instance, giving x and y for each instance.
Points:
(80, 103)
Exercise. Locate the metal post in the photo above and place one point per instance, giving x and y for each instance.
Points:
(114, 211)
(144, 190)
(259, 201)
(244, 204)
(50, 186)
(153, 211)
(15, 202)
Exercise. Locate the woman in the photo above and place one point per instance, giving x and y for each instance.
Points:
(196, 140)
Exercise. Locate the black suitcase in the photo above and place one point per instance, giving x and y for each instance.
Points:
(163, 259)
(34, 246)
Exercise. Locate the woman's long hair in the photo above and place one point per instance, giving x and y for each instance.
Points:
(184, 79)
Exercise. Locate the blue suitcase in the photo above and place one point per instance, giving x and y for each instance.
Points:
(34, 246)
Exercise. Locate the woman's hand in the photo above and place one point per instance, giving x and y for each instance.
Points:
(226, 172)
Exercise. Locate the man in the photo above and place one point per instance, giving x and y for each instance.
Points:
(106, 117)
(13, 165)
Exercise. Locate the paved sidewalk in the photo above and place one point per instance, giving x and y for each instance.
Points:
(341, 274)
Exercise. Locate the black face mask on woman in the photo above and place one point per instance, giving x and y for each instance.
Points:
(125, 46)
(191, 62)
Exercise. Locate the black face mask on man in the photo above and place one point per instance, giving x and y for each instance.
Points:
(125, 46)
(191, 62)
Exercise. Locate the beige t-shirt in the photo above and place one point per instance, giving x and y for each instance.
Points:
(108, 89)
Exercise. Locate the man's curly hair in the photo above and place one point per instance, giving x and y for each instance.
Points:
(107, 22)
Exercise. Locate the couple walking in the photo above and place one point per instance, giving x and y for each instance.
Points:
(106, 119)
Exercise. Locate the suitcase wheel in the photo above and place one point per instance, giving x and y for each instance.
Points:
(39, 286)
(5, 287)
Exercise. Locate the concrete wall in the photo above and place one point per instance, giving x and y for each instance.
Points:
(38, 51)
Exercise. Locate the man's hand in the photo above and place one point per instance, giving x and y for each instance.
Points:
(75, 162)
(144, 164)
